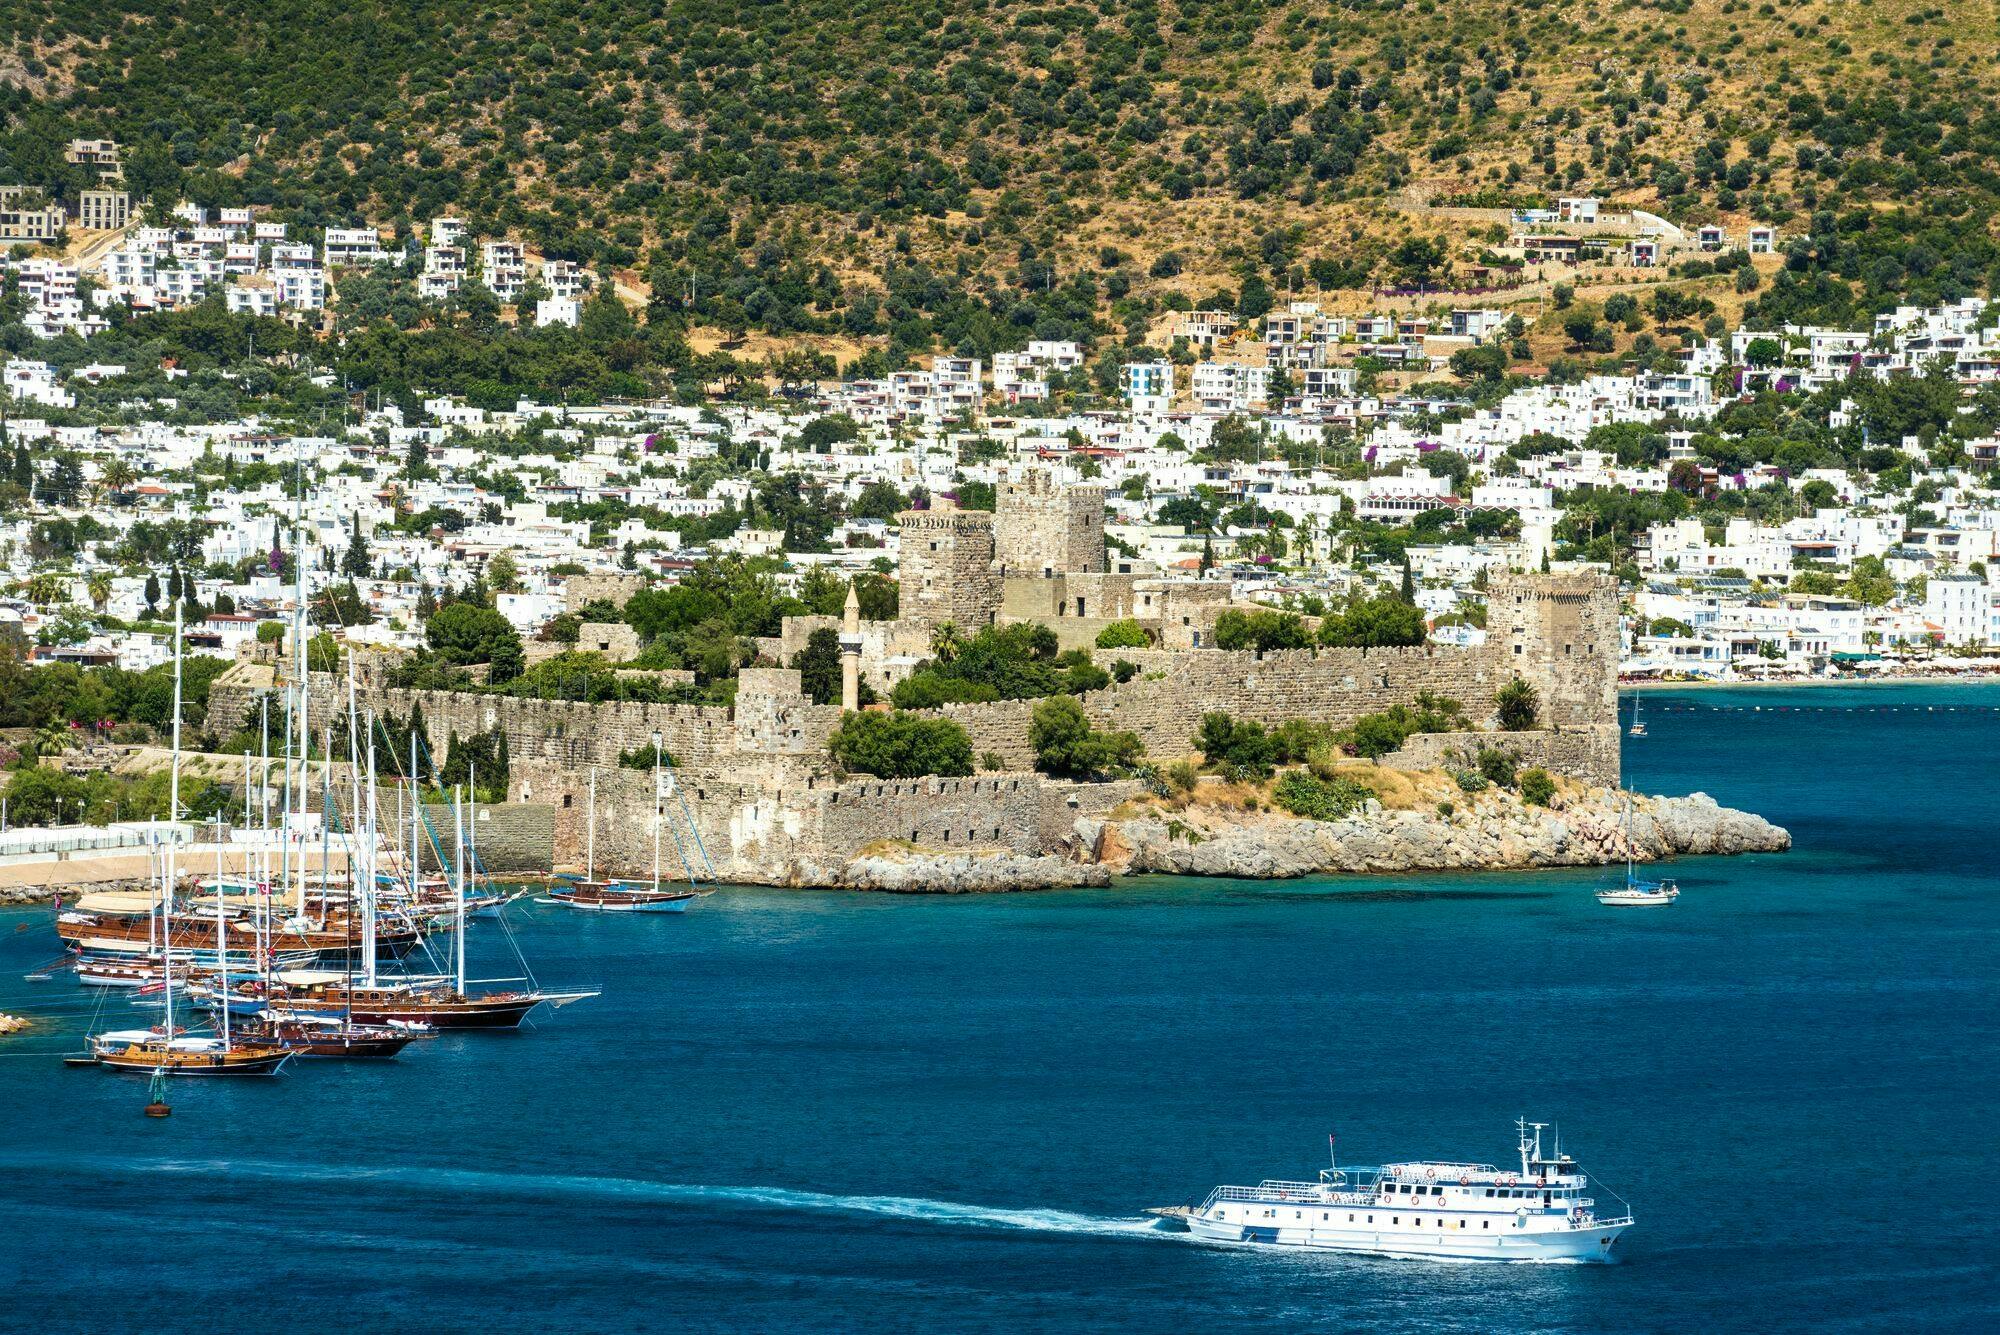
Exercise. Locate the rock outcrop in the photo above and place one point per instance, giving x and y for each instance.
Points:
(1495, 832)
(917, 872)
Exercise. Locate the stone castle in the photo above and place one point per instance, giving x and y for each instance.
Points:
(770, 806)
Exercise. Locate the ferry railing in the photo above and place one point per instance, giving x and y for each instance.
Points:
(1289, 1193)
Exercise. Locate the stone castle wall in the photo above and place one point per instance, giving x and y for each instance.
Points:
(565, 732)
(763, 824)
(1164, 703)
(1590, 753)
(1565, 646)
(757, 780)
(580, 590)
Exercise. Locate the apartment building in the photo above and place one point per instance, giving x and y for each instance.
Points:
(29, 216)
(352, 246)
(503, 268)
(1229, 387)
(103, 210)
(1148, 386)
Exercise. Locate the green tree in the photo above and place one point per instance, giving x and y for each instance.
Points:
(880, 500)
(1376, 623)
(503, 574)
(899, 745)
(461, 634)
(1067, 746)
(1124, 634)
(1519, 706)
(1869, 582)
(818, 665)
(354, 561)
(1238, 748)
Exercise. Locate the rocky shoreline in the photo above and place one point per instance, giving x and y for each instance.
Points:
(1493, 830)
(1497, 831)
(1492, 835)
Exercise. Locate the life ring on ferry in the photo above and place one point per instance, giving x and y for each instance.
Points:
(1464, 1181)
(1430, 1175)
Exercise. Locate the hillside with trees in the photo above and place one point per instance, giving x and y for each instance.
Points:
(917, 174)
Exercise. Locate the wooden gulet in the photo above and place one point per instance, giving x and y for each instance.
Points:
(166, 1051)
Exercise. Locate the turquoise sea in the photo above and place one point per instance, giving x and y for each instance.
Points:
(822, 1111)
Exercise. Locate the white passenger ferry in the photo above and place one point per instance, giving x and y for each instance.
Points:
(1434, 1209)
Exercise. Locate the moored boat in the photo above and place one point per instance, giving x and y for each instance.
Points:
(168, 1051)
(1635, 893)
(325, 1036)
(1641, 895)
(622, 897)
(151, 1050)
(433, 1001)
(611, 896)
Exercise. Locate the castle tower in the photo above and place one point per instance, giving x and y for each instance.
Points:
(1559, 633)
(1043, 529)
(850, 652)
(945, 565)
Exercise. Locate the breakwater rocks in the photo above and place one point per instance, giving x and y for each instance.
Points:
(1495, 832)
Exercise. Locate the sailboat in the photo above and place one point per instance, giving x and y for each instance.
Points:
(438, 1001)
(167, 1051)
(1635, 893)
(1638, 728)
(314, 1035)
(623, 896)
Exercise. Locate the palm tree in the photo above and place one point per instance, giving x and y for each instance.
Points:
(99, 587)
(51, 739)
(46, 589)
(118, 475)
(945, 642)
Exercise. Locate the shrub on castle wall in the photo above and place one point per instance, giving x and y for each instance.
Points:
(1519, 705)
(1126, 634)
(1067, 746)
(1376, 624)
(899, 745)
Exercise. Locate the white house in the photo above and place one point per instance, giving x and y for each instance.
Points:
(1148, 386)
(352, 245)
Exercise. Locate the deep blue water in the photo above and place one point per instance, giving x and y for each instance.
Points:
(803, 1110)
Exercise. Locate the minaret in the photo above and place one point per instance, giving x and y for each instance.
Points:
(850, 652)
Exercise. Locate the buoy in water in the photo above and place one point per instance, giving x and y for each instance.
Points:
(156, 1094)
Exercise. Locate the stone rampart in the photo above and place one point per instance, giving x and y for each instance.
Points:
(581, 590)
(770, 822)
(1586, 753)
(1164, 703)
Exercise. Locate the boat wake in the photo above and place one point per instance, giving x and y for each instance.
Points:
(914, 1209)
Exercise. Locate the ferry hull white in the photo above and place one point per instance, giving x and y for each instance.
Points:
(1578, 1245)
(1431, 1209)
